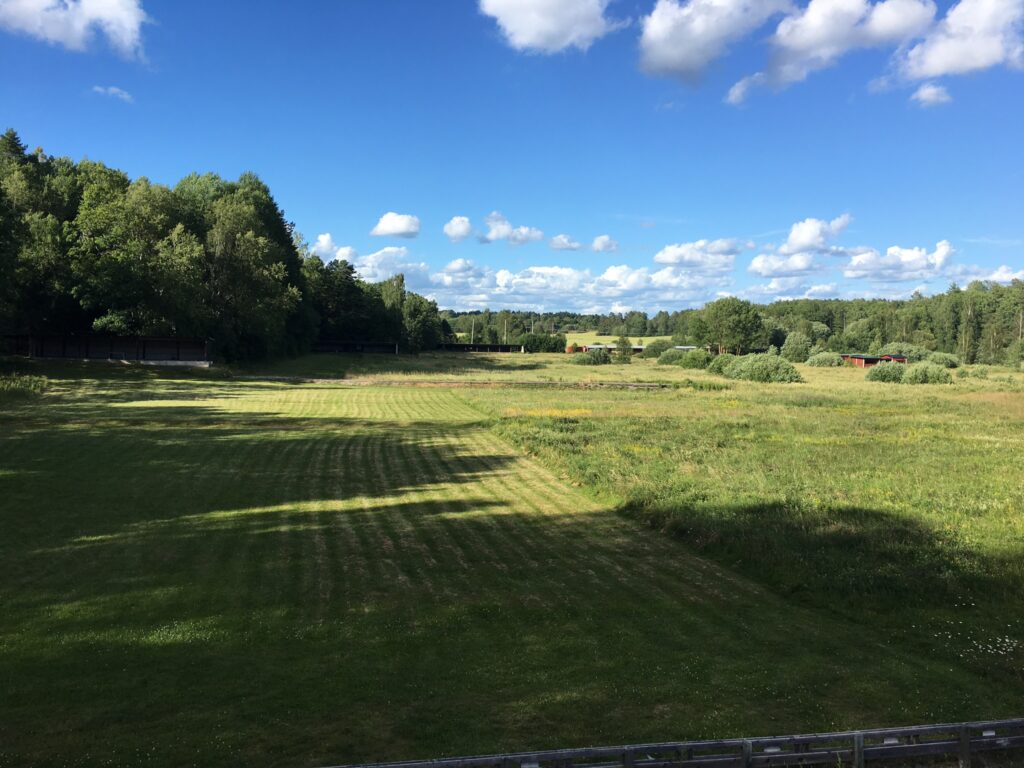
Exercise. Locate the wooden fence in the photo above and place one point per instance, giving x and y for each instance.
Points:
(332, 347)
(104, 347)
(481, 347)
(854, 749)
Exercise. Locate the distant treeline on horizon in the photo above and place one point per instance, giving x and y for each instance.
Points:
(85, 249)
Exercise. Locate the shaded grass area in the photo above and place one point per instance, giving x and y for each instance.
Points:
(201, 571)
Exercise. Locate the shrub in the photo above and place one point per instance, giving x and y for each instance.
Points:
(891, 373)
(944, 359)
(593, 357)
(912, 352)
(17, 385)
(763, 368)
(655, 348)
(720, 363)
(623, 350)
(670, 356)
(825, 360)
(797, 347)
(543, 342)
(772, 350)
(926, 373)
(979, 371)
(695, 358)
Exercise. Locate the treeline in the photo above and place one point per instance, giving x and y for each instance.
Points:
(495, 327)
(982, 323)
(85, 249)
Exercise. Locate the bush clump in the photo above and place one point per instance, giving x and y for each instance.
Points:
(656, 348)
(695, 359)
(927, 373)
(543, 342)
(670, 356)
(720, 363)
(16, 385)
(593, 357)
(825, 360)
(978, 371)
(944, 359)
(797, 347)
(767, 368)
(889, 372)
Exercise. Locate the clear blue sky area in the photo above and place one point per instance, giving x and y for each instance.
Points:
(898, 155)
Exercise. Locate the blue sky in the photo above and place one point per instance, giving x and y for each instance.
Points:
(763, 148)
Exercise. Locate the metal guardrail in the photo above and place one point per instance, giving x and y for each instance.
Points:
(846, 748)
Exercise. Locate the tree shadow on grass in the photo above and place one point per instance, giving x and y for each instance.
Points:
(415, 628)
(840, 557)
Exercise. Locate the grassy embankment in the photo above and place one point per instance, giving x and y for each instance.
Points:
(203, 570)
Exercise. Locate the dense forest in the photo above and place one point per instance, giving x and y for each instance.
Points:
(85, 249)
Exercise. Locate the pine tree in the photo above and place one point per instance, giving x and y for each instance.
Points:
(12, 147)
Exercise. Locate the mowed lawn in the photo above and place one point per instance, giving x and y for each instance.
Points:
(196, 571)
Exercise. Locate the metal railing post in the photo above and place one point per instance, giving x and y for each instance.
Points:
(965, 747)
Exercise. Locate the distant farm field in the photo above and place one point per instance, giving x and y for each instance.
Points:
(423, 558)
(591, 337)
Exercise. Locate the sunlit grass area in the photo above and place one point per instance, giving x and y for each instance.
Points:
(591, 337)
(200, 569)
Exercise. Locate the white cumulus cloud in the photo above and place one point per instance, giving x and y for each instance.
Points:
(812, 235)
(818, 35)
(564, 243)
(777, 265)
(682, 38)
(549, 26)
(707, 256)
(974, 35)
(931, 95)
(500, 228)
(74, 23)
(898, 264)
(1005, 274)
(458, 228)
(327, 249)
(393, 224)
(604, 244)
(520, 235)
(387, 262)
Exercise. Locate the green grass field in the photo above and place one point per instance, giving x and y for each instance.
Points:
(591, 337)
(205, 569)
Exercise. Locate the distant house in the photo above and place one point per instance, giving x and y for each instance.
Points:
(868, 361)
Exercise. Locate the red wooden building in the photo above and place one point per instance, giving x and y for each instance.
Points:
(868, 361)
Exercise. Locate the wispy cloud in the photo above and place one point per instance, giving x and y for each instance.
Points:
(113, 92)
